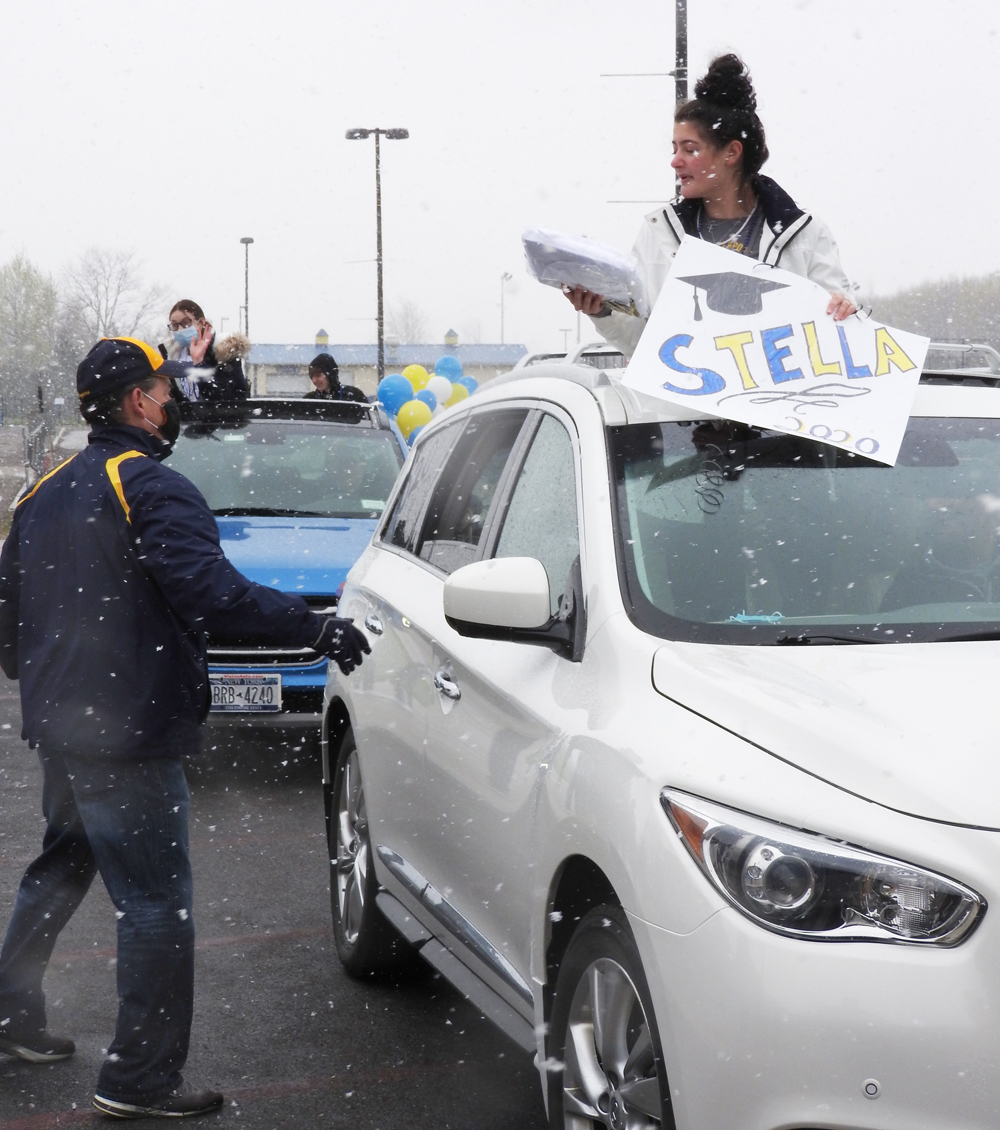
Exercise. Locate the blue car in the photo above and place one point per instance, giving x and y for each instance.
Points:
(297, 487)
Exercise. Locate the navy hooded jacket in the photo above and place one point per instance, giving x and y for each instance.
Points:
(109, 580)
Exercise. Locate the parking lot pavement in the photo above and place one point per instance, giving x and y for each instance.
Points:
(289, 1038)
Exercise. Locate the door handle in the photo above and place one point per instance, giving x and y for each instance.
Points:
(373, 624)
(447, 685)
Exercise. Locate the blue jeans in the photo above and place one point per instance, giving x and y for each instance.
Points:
(129, 821)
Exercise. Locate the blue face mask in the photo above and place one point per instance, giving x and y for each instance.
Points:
(186, 335)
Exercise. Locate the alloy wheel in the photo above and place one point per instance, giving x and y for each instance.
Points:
(353, 850)
(610, 1076)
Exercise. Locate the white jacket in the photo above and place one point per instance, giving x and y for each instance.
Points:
(791, 239)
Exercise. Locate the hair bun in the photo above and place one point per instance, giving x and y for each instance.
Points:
(727, 83)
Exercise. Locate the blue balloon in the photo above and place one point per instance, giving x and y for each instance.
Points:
(393, 392)
(448, 366)
(470, 383)
(428, 398)
(413, 435)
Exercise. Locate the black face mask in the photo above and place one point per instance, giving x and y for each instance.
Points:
(170, 429)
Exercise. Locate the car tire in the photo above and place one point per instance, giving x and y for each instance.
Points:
(367, 944)
(604, 1048)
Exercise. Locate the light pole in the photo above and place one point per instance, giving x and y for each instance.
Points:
(246, 241)
(681, 52)
(679, 74)
(504, 279)
(392, 135)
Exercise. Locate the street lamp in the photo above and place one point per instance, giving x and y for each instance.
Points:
(504, 279)
(681, 52)
(246, 241)
(392, 135)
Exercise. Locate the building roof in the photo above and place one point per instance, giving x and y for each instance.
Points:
(396, 356)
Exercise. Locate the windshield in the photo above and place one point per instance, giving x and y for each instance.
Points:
(279, 467)
(733, 534)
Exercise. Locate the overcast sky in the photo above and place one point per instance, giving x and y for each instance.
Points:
(174, 129)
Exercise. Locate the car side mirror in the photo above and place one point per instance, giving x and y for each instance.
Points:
(507, 598)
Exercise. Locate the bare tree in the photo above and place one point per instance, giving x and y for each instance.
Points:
(28, 316)
(406, 322)
(471, 331)
(107, 289)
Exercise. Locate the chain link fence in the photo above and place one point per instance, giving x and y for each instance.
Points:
(39, 416)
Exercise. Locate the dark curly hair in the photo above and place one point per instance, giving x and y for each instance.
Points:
(724, 109)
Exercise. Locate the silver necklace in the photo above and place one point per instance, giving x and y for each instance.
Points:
(734, 235)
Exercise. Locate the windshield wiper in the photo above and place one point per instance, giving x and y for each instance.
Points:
(821, 637)
(964, 637)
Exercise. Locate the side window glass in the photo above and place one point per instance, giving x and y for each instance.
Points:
(541, 519)
(462, 499)
(427, 465)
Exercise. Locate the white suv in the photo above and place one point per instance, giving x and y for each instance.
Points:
(632, 765)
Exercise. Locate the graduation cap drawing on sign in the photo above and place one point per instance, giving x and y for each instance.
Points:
(730, 293)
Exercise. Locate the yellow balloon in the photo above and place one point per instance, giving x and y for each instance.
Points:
(458, 393)
(413, 414)
(417, 375)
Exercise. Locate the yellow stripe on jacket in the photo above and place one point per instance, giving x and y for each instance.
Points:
(114, 474)
(65, 463)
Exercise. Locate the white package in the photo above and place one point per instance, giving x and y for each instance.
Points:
(557, 259)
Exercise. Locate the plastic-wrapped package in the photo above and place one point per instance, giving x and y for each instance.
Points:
(568, 261)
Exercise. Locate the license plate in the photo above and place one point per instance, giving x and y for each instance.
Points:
(254, 693)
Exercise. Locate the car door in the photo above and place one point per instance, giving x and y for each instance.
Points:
(393, 685)
(497, 719)
(438, 518)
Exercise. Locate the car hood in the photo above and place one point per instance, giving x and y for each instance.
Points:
(909, 726)
(311, 556)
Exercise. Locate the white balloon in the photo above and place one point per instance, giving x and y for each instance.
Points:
(441, 387)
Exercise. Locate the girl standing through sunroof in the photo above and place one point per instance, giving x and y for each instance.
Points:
(719, 148)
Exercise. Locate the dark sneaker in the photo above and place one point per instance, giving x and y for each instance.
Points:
(183, 1102)
(42, 1047)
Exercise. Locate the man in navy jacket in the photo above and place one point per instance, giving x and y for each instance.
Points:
(109, 580)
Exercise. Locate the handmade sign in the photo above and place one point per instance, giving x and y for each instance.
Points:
(735, 338)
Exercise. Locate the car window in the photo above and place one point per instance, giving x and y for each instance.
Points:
(466, 488)
(272, 467)
(426, 467)
(736, 534)
(541, 519)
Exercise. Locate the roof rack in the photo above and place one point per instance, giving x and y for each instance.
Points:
(596, 354)
(975, 363)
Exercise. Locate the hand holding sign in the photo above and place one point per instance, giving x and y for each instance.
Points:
(734, 338)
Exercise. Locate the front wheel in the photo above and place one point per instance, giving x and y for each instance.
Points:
(603, 1034)
(367, 944)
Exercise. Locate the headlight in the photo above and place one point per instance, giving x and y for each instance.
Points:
(805, 885)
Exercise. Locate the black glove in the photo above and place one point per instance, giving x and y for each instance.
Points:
(343, 643)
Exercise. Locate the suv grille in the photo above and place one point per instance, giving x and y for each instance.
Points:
(257, 655)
